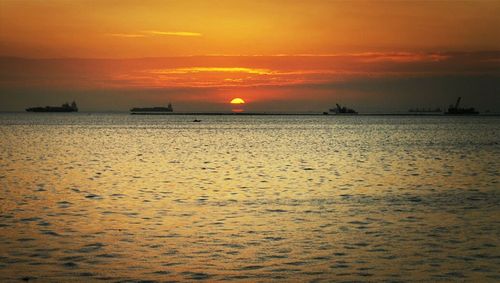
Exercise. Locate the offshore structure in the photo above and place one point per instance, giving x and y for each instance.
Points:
(456, 110)
(343, 110)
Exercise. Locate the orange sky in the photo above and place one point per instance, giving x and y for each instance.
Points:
(125, 28)
(269, 51)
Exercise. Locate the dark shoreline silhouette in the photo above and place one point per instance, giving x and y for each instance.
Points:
(453, 110)
(301, 114)
(425, 110)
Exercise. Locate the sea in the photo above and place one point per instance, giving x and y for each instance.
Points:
(271, 198)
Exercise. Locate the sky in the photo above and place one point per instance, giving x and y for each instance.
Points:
(286, 56)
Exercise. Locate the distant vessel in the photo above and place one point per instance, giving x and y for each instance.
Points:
(153, 110)
(343, 110)
(456, 110)
(66, 107)
(425, 110)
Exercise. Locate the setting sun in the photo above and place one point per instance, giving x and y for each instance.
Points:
(237, 101)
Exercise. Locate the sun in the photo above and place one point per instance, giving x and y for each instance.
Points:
(237, 100)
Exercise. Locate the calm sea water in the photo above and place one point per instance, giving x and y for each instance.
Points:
(250, 198)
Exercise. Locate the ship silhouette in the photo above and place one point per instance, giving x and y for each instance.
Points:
(152, 110)
(66, 107)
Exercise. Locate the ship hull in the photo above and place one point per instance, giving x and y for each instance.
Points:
(158, 110)
(151, 113)
(150, 110)
(49, 109)
(343, 114)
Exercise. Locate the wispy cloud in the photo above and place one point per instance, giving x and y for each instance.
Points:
(248, 71)
(213, 69)
(400, 57)
(131, 35)
(222, 77)
(172, 33)
(149, 33)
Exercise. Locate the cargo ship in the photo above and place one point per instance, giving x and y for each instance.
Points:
(456, 110)
(342, 110)
(66, 107)
(152, 110)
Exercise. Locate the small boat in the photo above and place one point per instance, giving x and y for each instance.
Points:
(196, 121)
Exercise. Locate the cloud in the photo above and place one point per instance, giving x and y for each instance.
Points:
(398, 80)
(131, 35)
(213, 69)
(150, 33)
(224, 77)
(240, 71)
(173, 33)
(400, 57)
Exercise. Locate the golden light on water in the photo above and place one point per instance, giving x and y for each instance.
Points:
(160, 198)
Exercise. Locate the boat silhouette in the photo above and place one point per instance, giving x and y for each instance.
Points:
(152, 110)
(66, 107)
